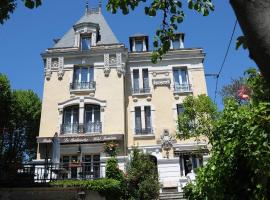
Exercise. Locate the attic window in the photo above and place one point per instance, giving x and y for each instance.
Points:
(176, 43)
(138, 45)
(85, 42)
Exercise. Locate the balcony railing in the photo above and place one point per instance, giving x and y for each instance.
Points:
(70, 128)
(52, 171)
(144, 131)
(145, 90)
(182, 88)
(83, 85)
(92, 127)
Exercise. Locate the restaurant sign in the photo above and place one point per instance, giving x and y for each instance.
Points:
(82, 139)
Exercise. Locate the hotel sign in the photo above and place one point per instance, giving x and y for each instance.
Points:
(161, 82)
(82, 139)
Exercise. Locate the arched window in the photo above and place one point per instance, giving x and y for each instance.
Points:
(92, 123)
(70, 120)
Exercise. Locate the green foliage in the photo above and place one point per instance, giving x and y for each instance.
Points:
(240, 155)
(198, 117)
(260, 91)
(142, 177)
(8, 6)
(241, 41)
(19, 125)
(173, 14)
(113, 171)
(109, 188)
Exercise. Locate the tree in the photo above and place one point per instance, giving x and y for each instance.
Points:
(142, 177)
(197, 118)
(19, 125)
(8, 6)
(231, 90)
(240, 154)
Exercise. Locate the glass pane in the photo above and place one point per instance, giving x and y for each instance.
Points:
(136, 79)
(147, 112)
(88, 114)
(180, 109)
(96, 114)
(184, 76)
(76, 76)
(91, 74)
(85, 43)
(75, 115)
(176, 44)
(84, 74)
(139, 45)
(176, 76)
(67, 117)
(138, 121)
(145, 78)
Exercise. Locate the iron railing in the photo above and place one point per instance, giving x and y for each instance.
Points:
(182, 88)
(92, 127)
(144, 131)
(83, 85)
(144, 90)
(49, 172)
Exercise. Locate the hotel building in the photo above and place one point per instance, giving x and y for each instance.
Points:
(98, 90)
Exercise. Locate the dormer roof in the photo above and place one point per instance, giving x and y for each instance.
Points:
(90, 17)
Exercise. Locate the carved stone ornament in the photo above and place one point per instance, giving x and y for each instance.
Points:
(48, 72)
(60, 72)
(120, 70)
(166, 140)
(107, 68)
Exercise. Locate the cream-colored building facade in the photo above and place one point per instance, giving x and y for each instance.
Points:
(96, 90)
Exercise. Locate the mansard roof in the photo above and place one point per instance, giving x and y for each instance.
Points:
(95, 17)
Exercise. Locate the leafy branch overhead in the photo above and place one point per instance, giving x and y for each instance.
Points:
(172, 12)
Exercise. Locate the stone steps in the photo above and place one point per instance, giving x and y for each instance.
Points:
(171, 196)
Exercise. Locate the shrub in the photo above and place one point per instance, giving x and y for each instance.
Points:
(109, 188)
(112, 170)
(142, 177)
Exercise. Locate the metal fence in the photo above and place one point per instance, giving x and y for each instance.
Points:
(62, 171)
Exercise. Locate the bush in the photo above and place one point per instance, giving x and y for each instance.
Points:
(112, 170)
(109, 188)
(142, 177)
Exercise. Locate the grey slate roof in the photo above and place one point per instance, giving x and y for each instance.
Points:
(107, 36)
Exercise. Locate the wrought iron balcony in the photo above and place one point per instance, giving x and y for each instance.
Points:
(145, 90)
(182, 88)
(83, 85)
(70, 128)
(93, 127)
(144, 131)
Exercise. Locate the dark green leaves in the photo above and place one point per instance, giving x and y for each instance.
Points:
(32, 3)
(241, 41)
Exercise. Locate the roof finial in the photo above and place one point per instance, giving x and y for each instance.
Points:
(99, 6)
(86, 8)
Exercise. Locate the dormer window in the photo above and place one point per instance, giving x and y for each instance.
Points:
(138, 45)
(178, 41)
(85, 42)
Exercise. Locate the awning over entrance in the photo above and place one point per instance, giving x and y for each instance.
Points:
(190, 149)
(82, 139)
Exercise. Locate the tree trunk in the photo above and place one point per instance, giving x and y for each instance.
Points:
(254, 19)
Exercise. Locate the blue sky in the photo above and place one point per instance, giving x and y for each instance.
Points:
(29, 32)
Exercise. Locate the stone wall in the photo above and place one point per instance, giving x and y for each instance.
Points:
(46, 194)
